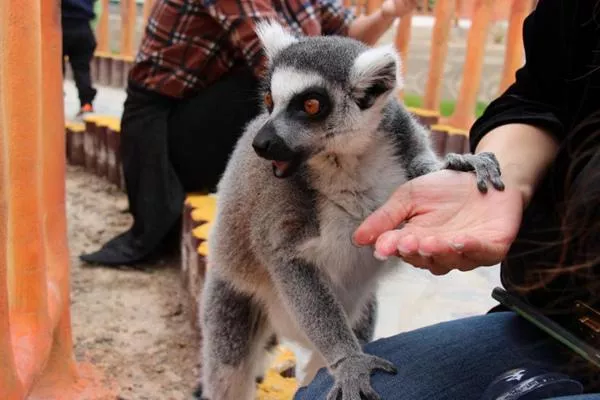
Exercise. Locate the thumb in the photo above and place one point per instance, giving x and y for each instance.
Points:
(387, 217)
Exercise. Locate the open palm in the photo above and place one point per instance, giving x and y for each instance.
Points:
(448, 223)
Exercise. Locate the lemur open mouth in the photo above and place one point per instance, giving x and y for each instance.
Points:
(283, 169)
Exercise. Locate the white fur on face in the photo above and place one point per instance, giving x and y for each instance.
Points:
(273, 37)
(287, 82)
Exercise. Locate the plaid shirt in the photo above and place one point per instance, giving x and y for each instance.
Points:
(189, 44)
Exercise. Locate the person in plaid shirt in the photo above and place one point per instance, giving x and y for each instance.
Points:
(192, 89)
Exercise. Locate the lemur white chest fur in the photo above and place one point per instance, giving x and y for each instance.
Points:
(349, 187)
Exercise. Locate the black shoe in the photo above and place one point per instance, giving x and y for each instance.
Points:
(124, 250)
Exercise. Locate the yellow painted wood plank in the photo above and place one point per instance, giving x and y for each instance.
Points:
(108, 121)
(204, 213)
(203, 249)
(202, 231)
(201, 200)
(423, 112)
(275, 386)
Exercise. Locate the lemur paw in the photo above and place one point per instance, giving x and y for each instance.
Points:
(353, 377)
(485, 165)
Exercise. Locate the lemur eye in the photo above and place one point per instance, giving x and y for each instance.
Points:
(312, 106)
(268, 99)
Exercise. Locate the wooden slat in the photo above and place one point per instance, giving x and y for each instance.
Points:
(148, 4)
(513, 58)
(103, 29)
(201, 232)
(203, 249)
(464, 114)
(444, 11)
(128, 21)
(402, 41)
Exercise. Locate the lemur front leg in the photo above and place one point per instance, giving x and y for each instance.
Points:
(308, 297)
(364, 329)
(235, 333)
(485, 165)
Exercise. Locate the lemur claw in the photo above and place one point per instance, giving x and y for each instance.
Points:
(485, 165)
(353, 375)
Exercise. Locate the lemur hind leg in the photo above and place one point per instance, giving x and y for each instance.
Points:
(364, 328)
(235, 334)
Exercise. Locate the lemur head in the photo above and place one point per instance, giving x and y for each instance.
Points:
(322, 94)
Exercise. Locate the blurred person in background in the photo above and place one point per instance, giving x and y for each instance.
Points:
(191, 91)
(79, 44)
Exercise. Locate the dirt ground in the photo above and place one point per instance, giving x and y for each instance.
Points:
(131, 324)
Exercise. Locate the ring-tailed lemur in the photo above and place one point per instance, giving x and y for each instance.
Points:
(330, 146)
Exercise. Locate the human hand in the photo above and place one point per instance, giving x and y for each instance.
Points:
(449, 223)
(397, 8)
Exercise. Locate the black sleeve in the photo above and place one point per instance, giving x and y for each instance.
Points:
(538, 95)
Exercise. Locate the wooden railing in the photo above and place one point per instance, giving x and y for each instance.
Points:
(111, 68)
(36, 354)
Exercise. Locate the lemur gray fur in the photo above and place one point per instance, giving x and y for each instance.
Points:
(330, 146)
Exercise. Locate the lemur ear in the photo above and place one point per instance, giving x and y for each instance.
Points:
(375, 72)
(273, 37)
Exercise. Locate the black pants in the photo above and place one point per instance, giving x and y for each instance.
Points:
(170, 147)
(79, 45)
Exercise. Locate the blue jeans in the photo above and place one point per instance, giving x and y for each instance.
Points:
(455, 360)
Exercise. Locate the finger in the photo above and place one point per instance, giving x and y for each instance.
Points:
(444, 255)
(477, 252)
(387, 217)
(386, 244)
(439, 270)
(436, 255)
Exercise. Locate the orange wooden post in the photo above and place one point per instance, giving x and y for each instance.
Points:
(102, 29)
(60, 370)
(402, 41)
(372, 6)
(128, 22)
(10, 386)
(513, 58)
(464, 114)
(36, 357)
(148, 4)
(21, 82)
(444, 11)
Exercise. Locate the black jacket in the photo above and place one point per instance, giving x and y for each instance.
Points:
(77, 12)
(557, 89)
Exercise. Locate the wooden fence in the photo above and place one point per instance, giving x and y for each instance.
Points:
(110, 68)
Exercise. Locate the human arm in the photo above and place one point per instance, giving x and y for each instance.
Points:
(447, 223)
(239, 21)
(369, 28)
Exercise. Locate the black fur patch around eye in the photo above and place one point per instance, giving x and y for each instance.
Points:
(371, 94)
(295, 107)
(382, 83)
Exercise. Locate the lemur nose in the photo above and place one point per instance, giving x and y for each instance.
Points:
(267, 144)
